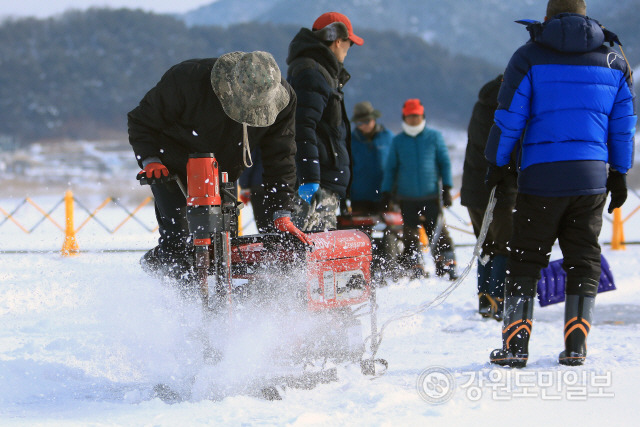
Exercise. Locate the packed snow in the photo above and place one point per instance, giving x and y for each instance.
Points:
(85, 339)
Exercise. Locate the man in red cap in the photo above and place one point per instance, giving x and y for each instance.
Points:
(323, 135)
(417, 165)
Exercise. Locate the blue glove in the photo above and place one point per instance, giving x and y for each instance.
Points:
(306, 191)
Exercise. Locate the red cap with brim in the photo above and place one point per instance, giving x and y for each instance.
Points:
(330, 17)
(411, 107)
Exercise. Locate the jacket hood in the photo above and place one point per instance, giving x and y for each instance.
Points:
(569, 32)
(306, 44)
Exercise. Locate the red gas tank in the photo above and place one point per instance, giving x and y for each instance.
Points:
(335, 274)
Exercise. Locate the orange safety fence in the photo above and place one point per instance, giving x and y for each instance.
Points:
(70, 245)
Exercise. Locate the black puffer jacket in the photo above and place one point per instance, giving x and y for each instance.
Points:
(182, 115)
(323, 132)
(474, 193)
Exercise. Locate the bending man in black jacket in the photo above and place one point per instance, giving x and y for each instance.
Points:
(225, 106)
(323, 133)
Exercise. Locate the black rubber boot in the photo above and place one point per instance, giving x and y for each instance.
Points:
(446, 265)
(496, 307)
(411, 258)
(173, 265)
(441, 266)
(518, 317)
(578, 315)
(412, 267)
(484, 306)
(490, 307)
(418, 272)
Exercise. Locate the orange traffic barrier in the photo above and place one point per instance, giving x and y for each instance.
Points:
(70, 245)
(617, 236)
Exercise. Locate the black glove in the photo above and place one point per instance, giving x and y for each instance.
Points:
(386, 200)
(617, 185)
(446, 196)
(495, 175)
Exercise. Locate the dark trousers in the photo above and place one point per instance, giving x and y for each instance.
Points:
(425, 213)
(365, 207)
(499, 232)
(171, 214)
(538, 221)
(262, 216)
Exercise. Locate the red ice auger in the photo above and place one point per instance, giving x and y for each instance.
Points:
(330, 285)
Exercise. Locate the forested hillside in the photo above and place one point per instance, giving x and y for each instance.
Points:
(77, 75)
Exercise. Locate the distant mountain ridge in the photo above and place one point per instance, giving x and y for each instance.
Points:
(479, 28)
(76, 76)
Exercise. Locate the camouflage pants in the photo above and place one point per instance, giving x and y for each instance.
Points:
(320, 214)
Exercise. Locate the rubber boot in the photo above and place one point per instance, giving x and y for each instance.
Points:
(518, 317)
(484, 306)
(496, 307)
(578, 315)
(497, 277)
(411, 258)
(446, 264)
(498, 313)
(172, 264)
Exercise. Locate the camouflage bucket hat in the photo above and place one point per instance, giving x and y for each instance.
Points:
(248, 86)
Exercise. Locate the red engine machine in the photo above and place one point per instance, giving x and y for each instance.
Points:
(385, 232)
(330, 280)
(336, 272)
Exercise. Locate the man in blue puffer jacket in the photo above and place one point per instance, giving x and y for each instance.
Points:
(567, 103)
(418, 160)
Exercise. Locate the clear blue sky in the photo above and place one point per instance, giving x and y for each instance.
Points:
(45, 8)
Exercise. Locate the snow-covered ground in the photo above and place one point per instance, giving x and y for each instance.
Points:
(84, 339)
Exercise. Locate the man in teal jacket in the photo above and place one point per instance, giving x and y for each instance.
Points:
(417, 163)
(370, 142)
